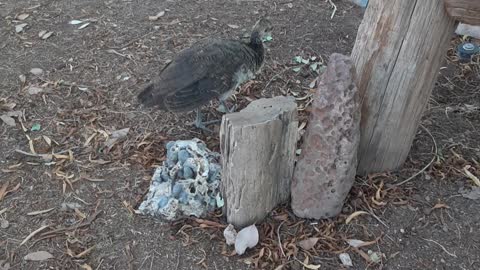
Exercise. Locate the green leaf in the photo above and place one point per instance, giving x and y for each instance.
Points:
(321, 69)
(36, 127)
(297, 59)
(305, 61)
(267, 38)
(314, 66)
(296, 69)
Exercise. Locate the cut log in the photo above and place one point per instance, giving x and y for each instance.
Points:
(398, 53)
(258, 147)
(325, 170)
(465, 11)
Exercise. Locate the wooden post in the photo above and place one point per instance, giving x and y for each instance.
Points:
(258, 154)
(465, 11)
(398, 53)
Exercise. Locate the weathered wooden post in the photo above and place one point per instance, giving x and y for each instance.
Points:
(258, 155)
(398, 53)
(465, 11)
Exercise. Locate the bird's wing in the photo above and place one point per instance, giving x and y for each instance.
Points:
(198, 74)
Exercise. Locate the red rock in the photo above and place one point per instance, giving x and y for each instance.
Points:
(326, 169)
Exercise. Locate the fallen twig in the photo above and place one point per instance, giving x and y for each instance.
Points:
(442, 247)
(424, 168)
(34, 233)
(83, 224)
(334, 8)
(280, 240)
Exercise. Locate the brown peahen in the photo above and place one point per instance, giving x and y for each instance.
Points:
(209, 69)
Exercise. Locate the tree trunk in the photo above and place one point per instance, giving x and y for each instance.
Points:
(398, 53)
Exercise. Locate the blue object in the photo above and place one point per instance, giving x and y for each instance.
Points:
(189, 163)
(466, 50)
(163, 201)
(164, 176)
(169, 145)
(213, 172)
(183, 155)
(179, 174)
(188, 173)
(176, 190)
(183, 198)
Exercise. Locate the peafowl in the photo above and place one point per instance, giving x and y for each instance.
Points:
(211, 68)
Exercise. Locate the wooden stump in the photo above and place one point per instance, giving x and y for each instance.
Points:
(258, 154)
(398, 53)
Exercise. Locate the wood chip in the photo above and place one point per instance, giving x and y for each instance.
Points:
(308, 243)
(39, 212)
(156, 17)
(38, 256)
(22, 16)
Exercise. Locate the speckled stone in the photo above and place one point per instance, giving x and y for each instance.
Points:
(326, 169)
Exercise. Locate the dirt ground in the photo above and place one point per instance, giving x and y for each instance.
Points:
(78, 205)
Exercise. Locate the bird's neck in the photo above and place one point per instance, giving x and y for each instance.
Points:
(256, 44)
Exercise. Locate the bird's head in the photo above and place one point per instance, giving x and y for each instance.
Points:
(262, 28)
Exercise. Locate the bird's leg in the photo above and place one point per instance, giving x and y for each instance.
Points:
(202, 125)
(223, 108)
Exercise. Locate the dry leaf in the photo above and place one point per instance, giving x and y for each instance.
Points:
(83, 26)
(22, 78)
(19, 28)
(233, 26)
(354, 215)
(83, 253)
(473, 194)
(4, 223)
(8, 106)
(308, 243)
(359, 243)
(41, 33)
(309, 266)
(22, 16)
(3, 190)
(116, 136)
(9, 121)
(80, 214)
(156, 17)
(47, 140)
(440, 205)
(86, 266)
(346, 260)
(47, 35)
(36, 71)
(33, 90)
(38, 256)
(74, 22)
